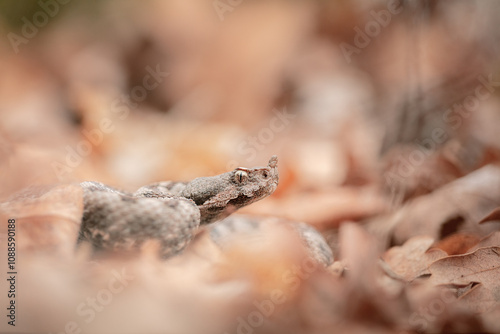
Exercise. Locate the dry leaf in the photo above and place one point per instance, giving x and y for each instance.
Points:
(456, 207)
(494, 215)
(47, 218)
(412, 259)
(435, 171)
(482, 268)
(458, 243)
(491, 240)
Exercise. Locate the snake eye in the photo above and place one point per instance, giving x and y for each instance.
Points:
(240, 176)
(265, 174)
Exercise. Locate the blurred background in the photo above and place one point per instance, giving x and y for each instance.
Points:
(129, 92)
(368, 104)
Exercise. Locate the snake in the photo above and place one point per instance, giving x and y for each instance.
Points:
(168, 212)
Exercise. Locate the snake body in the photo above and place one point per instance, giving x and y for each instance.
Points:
(168, 212)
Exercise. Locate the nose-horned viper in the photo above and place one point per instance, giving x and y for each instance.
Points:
(169, 212)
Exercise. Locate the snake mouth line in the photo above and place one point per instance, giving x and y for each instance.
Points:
(242, 199)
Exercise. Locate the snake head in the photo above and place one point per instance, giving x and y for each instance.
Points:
(257, 183)
(219, 196)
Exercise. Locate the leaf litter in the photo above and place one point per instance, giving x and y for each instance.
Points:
(384, 149)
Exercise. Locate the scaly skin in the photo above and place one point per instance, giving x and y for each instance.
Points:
(169, 212)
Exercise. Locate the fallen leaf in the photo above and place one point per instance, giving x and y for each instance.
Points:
(434, 172)
(481, 267)
(456, 207)
(458, 243)
(413, 258)
(53, 212)
(492, 239)
(494, 215)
